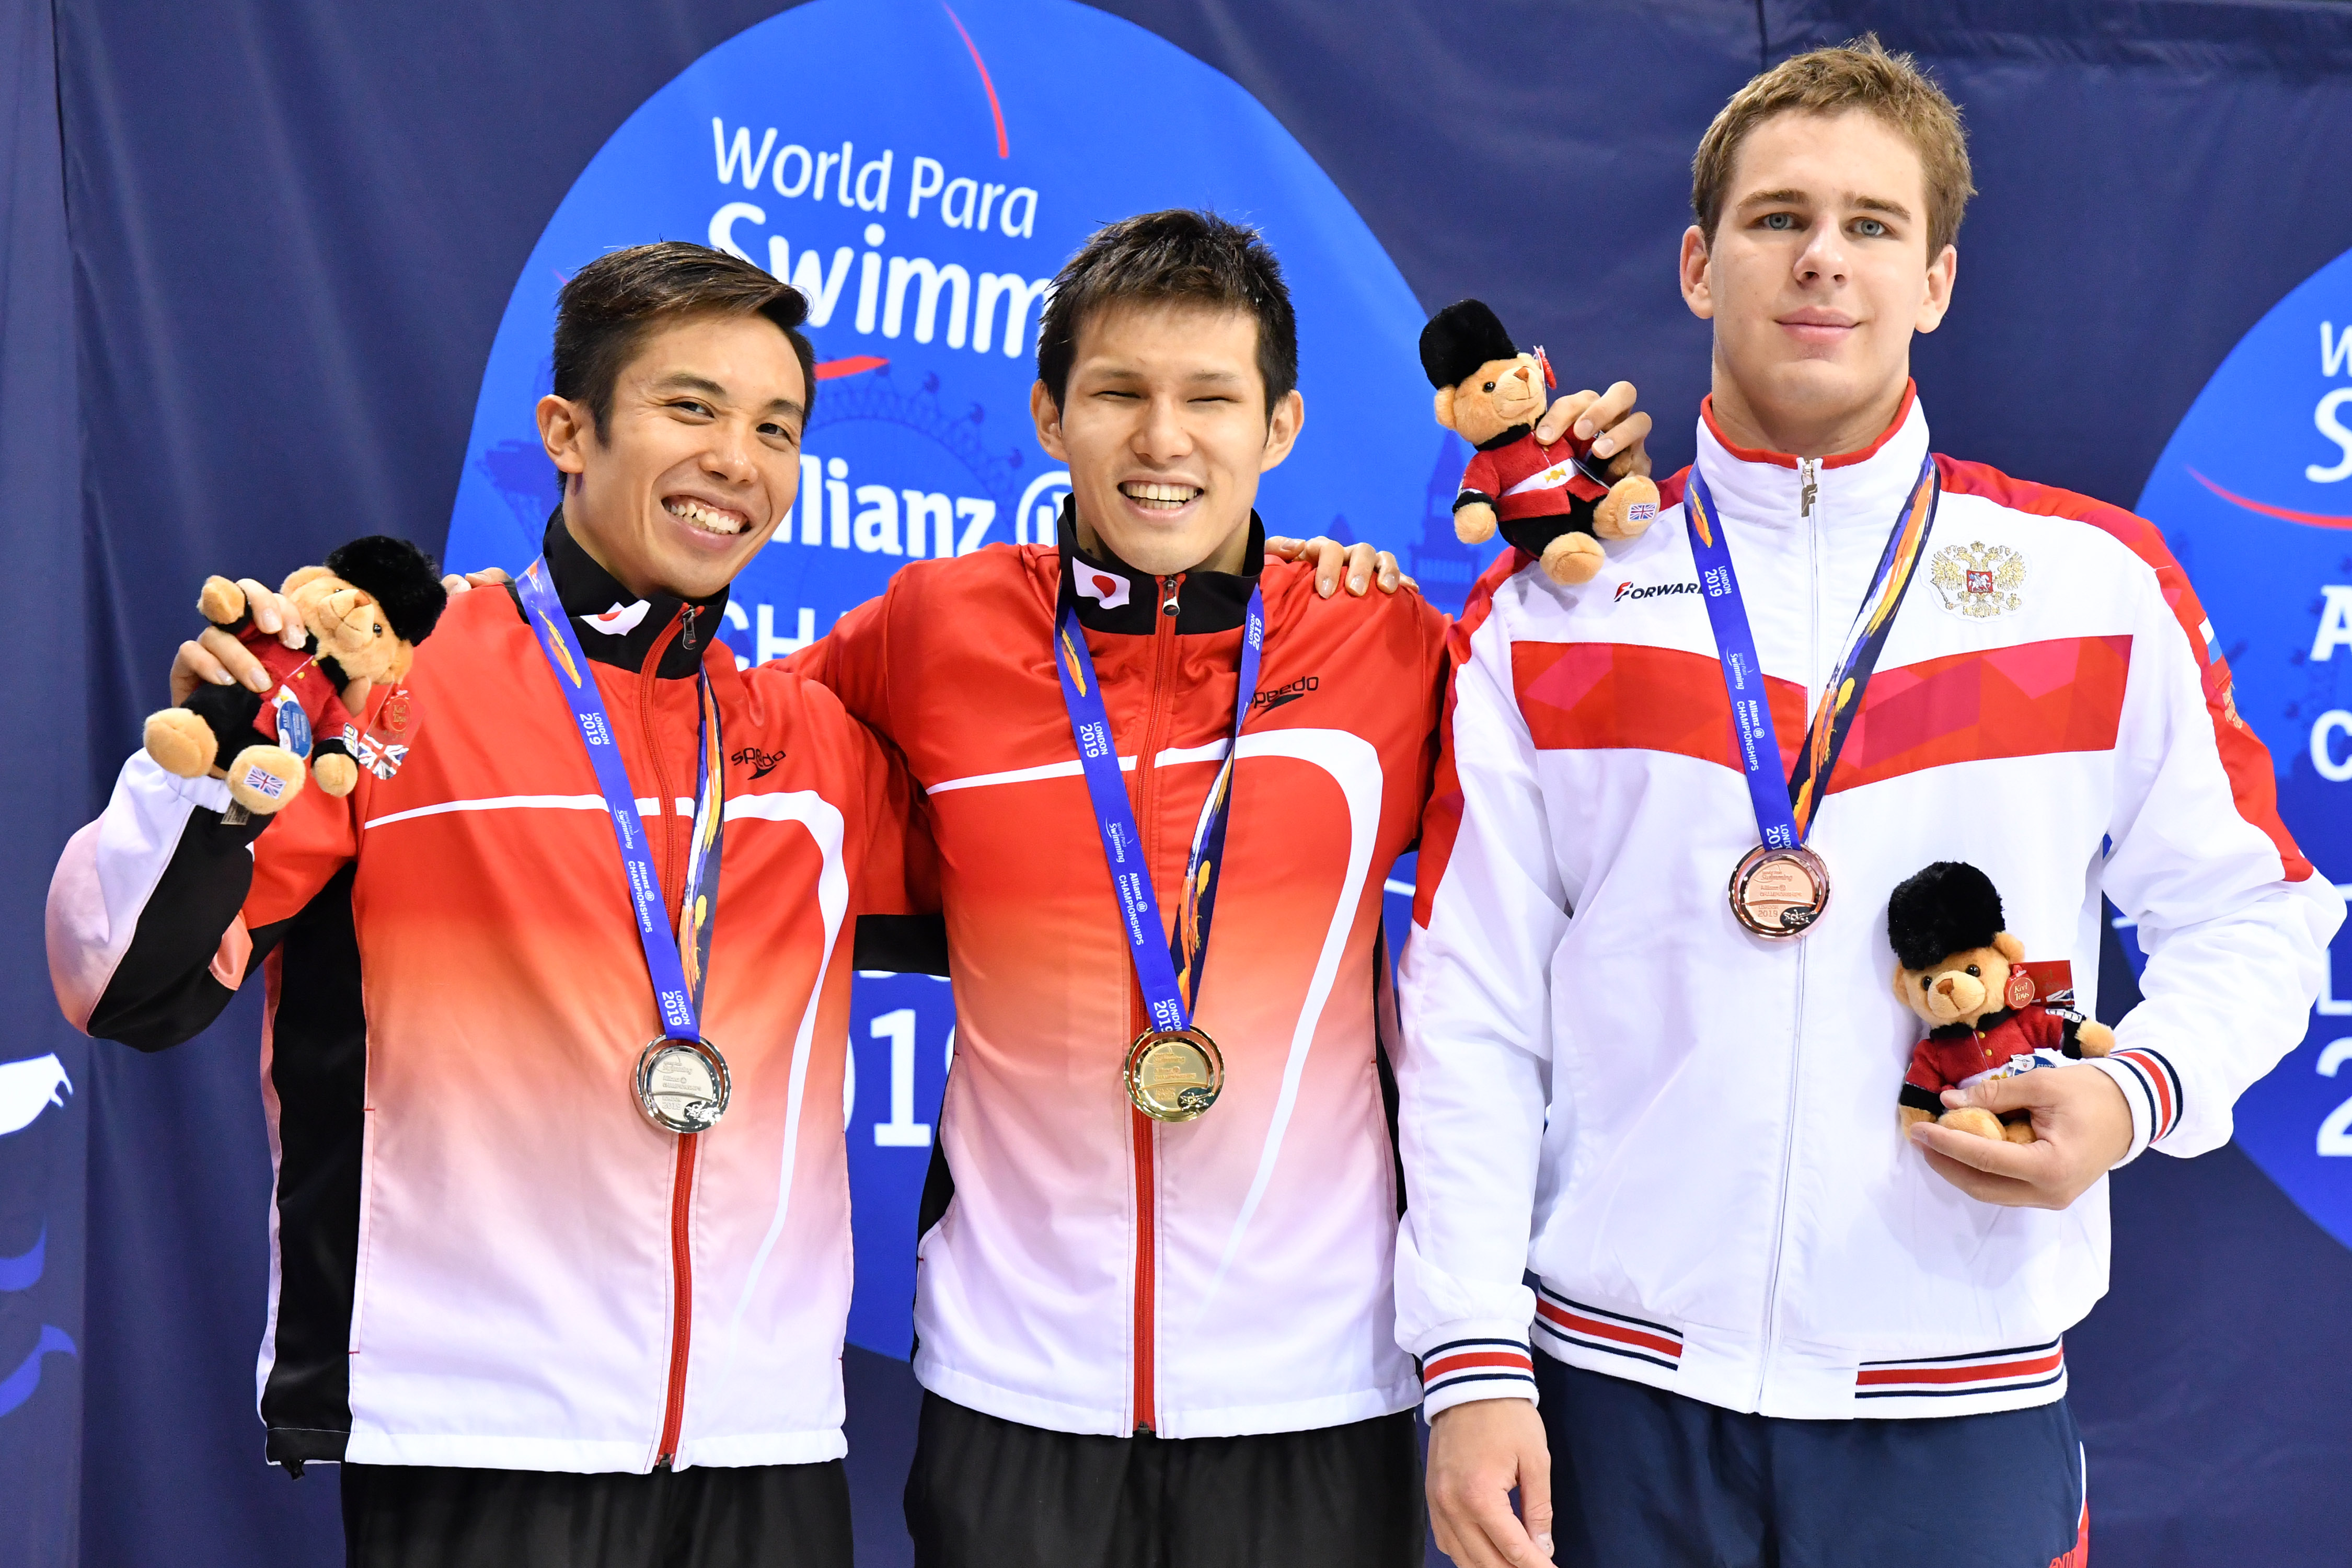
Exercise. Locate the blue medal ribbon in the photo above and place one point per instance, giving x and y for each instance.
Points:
(1785, 807)
(678, 963)
(1170, 974)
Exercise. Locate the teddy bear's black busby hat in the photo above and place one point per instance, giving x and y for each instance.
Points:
(1459, 339)
(399, 576)
(1949, 908)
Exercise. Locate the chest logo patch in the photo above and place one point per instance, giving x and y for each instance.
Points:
(1978, 580)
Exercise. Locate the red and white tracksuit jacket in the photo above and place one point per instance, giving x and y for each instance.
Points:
(1583, 1092)
(1096, 1271)
(483, 1254)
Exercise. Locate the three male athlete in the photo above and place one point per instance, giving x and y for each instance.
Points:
(1768, 1329)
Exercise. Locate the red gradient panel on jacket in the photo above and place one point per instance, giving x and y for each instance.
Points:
(2027, 701)
(512, 1185)
(1284, 1193)
(1598, 697)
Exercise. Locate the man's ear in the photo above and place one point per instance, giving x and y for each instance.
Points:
(1942, 273)
(565, 429)
(1699, 291)
(1444, 404)
(1281, 430)
(1046, 415)
(2010, 948)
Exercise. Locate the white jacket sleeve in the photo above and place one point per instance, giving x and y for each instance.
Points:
(2234, 922)
(1474, 1076)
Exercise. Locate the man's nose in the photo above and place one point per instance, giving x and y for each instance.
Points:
(1823, 258)
(1162, 434)
(729, 457)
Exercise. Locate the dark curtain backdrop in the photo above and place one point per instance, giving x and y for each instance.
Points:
(255, 253)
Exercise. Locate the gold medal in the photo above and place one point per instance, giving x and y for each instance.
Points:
(682, 1085)
(1780, 893)
(1174, 1075)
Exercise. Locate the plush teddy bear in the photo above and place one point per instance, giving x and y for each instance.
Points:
(1989, 1014)
(365, 611)
(1549, 500)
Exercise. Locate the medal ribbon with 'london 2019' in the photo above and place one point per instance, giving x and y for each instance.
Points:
(1784, 818)
(679, 961)
(1169, 975)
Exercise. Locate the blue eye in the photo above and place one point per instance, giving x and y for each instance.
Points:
(1869, 228)
(1781, 222)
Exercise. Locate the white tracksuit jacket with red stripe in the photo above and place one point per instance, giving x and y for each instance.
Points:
(1687, 1132)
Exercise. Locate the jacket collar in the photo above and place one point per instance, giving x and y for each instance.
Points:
(1764, 490)
(1118, 599)
(614, 625)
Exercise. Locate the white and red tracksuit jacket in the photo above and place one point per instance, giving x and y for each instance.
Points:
(1687, 1132)
(482, 1254)
(1084, 1269)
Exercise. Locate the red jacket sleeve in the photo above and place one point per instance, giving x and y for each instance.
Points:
(852, 662)
(1482, 477)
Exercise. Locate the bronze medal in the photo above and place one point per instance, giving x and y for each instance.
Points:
(682, 1085)
(1174, 1075)
(1780, 893)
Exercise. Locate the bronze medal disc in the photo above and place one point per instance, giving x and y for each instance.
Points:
(1780, 893)
(682, 1085)
(1174, 1075)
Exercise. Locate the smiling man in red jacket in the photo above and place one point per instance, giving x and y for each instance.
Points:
(1167, 776)
(543, 1317)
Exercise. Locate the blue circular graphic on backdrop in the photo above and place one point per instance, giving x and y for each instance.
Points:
(2254, 496)
(920, 170)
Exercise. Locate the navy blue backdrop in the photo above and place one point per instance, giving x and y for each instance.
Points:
(256, 254)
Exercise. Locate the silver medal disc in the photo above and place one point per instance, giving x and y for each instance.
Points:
(682, 1085)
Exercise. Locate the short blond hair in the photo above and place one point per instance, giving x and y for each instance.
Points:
(1859, 75)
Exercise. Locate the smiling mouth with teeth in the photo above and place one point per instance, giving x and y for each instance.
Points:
(705, 517)
(1159, 498)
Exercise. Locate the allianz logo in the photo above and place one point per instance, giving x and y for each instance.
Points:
(1627, 591)
(895, 294)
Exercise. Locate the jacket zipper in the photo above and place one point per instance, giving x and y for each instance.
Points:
(1146, 1132)
(681, 1202)
(1807, 480)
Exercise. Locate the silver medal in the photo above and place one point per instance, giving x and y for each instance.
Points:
(682, 1085)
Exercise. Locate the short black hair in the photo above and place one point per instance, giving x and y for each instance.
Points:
(1196, 258)
(606, 308)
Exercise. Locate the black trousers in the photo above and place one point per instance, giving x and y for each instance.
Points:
(1641, 1476)
(989, 1493)
(759, 1516)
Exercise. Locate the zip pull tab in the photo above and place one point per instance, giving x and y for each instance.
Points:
(1167, 586)
(1809, 475)
(686, 617)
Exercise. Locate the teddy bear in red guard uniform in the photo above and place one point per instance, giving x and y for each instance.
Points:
(1553, 501)
(1988, 1013)
(364, 610)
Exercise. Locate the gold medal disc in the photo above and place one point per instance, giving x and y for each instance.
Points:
(1174, 1075)
(1780, 893)
(682, 1085)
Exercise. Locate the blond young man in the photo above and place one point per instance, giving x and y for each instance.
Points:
(1768, 1326)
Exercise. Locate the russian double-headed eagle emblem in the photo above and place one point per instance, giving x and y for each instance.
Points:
(1978, 580)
